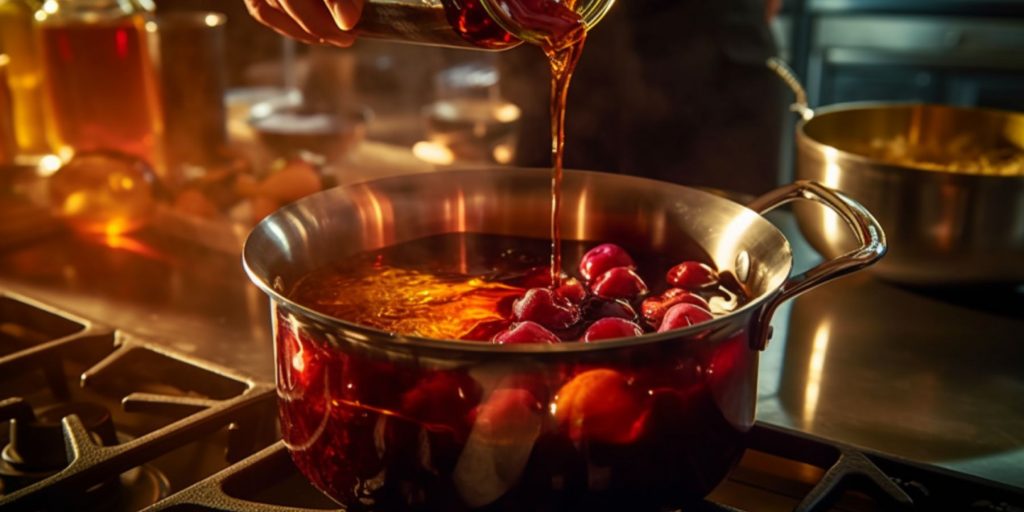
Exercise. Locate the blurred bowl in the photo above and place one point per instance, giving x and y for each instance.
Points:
(471, 130)
(289, 127)
(946, 184)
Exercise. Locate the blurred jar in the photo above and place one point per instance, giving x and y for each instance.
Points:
(7, 145)
(477, 24)
(24, 74)
(99, 78)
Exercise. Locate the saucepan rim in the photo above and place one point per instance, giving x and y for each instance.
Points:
(837, 109)
(376, 337)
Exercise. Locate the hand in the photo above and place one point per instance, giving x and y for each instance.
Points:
(771, 9)
(309, 21)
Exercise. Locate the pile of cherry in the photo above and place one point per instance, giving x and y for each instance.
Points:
(603, 305)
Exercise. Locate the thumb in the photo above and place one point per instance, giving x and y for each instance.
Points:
(346, 13)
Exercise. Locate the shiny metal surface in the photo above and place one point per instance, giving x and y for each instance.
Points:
(943, 227)
(936, 377)
(637, 213)
(328, 410)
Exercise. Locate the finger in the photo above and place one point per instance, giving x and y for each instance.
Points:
(278, 21)
(346, 13)
(314, 17)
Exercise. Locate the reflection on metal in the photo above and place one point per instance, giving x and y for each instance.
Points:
(832, 172)
(581, 215)
(733, 234)
(815, 367)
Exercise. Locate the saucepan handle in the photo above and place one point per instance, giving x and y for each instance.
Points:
(867, 230)
(800, 104)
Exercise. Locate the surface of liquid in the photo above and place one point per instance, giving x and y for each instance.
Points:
(100, 88)
(643, 427)
(461, 286)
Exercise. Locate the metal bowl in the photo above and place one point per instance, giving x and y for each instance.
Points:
(909, 164)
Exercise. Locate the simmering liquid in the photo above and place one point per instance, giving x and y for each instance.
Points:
(641, 428)
(100, 87)
(461, 286)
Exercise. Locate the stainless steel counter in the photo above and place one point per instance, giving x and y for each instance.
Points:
(936, 378)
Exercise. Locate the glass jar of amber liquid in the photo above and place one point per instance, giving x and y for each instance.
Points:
(474, 24)
(17, 40)
(100, 83)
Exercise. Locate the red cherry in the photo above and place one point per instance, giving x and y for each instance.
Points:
(654, 308)
(611, 328)
(619, 283)
(572, 290)
(692, 275)
(525, 332)
(543, 306)
(683, 315)
(603, 258)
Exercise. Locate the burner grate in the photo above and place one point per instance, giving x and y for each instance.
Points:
(197, 399)
(35, 338)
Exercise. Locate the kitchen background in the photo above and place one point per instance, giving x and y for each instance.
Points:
(930, 377)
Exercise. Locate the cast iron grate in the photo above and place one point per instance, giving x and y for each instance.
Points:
(36, 339)
(190, 399)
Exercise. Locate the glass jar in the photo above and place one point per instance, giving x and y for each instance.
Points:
(24, 74)
(477, 24)
(99, 77)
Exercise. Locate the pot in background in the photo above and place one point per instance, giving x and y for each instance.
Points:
(384, 421)
(944, 226)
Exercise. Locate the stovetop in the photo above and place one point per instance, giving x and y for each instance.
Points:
(891, 394)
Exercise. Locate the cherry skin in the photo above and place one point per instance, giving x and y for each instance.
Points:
(603, 258)
(572, 290)
(692, 275)
(525, 332)
(654, 308)
(619, 283)
(611, 328)
(545, 307)
(683, 315)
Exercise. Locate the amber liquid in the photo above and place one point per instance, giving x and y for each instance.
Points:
(560, 32)
(100, 88)
(24, 75)
(383, 431)
(461, 286)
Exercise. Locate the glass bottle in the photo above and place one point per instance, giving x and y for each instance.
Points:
(477, 24)
(24, 74)
(100, 81)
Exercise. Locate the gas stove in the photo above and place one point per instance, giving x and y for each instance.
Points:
(135, 374)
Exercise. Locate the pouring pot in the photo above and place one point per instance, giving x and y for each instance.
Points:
(947, 225)
(379, 420)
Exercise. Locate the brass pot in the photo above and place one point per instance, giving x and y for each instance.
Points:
(911, 166)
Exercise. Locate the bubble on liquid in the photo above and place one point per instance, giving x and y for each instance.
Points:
(103, 193)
